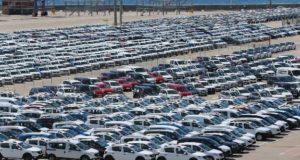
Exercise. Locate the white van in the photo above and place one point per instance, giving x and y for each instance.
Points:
(137, 69)
(57, 149)
(8, 107)
(13, 101)
(289, 71)
(13, 149)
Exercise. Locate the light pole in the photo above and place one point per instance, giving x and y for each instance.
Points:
(115, 13)
(121, 12)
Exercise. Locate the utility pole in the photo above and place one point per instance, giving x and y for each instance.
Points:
(270, 3)
(115, 13)
(121, 11)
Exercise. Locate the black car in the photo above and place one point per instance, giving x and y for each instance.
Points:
(142, 91)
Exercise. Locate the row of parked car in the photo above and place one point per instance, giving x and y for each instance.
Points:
(30, 55)
(203, 75)
(116, 127)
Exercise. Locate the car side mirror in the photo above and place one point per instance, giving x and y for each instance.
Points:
(131, 151)
(185, 153)
(19, 148)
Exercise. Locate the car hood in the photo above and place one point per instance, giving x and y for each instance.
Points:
(92, 150)
(146, 152)
(34, 149)
(199, 154)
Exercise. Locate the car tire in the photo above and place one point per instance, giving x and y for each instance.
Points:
(140, 158)
(193, 159)
(51, 157)
(109, 158)
(259, 137)
(85, 158)
(27, 157)
(161, 158)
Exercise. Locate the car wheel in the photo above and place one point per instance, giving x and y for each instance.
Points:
(109, 158)
(140, 158)
(27, 157)
(84, 158)
(51, 157)
(259, 137)
(193, 159)
(161, 158)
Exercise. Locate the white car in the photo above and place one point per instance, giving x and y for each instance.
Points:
(199, 147)
(170, 93)
(39, 143)
(117, 88)
(284, 92)
(57, 149)
(127, 151)
(13, 149)
(167, 77)
(178, 152)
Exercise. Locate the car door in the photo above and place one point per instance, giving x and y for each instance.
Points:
(42, 145)
(5, 150)
(128, 153)
(73, 151)
(180, 154)
(16, 150)
(58, 149)
(169, 153)
(249, 128)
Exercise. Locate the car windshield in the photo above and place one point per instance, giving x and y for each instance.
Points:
(296, 72)
(172, 92)
(154, 146)
(188, 150)
(136, 148)
(163, 73)
(274, 92)
(24, 145)
(82, 146)
(226, 137)
(253, 125)
(234, 93)
(140, 70)
(26, 130)
(205, 147)
(281, 90)
(286, 79)
(114, 84)
(243, 91)
(198, 86)
(265, 94)
(147, 76)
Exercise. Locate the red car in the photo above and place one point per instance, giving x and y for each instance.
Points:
(102, 89)
(181, 89)
(130, 81)
(159, 78)
(127, 86)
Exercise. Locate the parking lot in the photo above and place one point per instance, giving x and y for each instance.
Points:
(206, 106)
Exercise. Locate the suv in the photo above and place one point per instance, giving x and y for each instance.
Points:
(13, 149)
(127, 151)
(58, 148)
